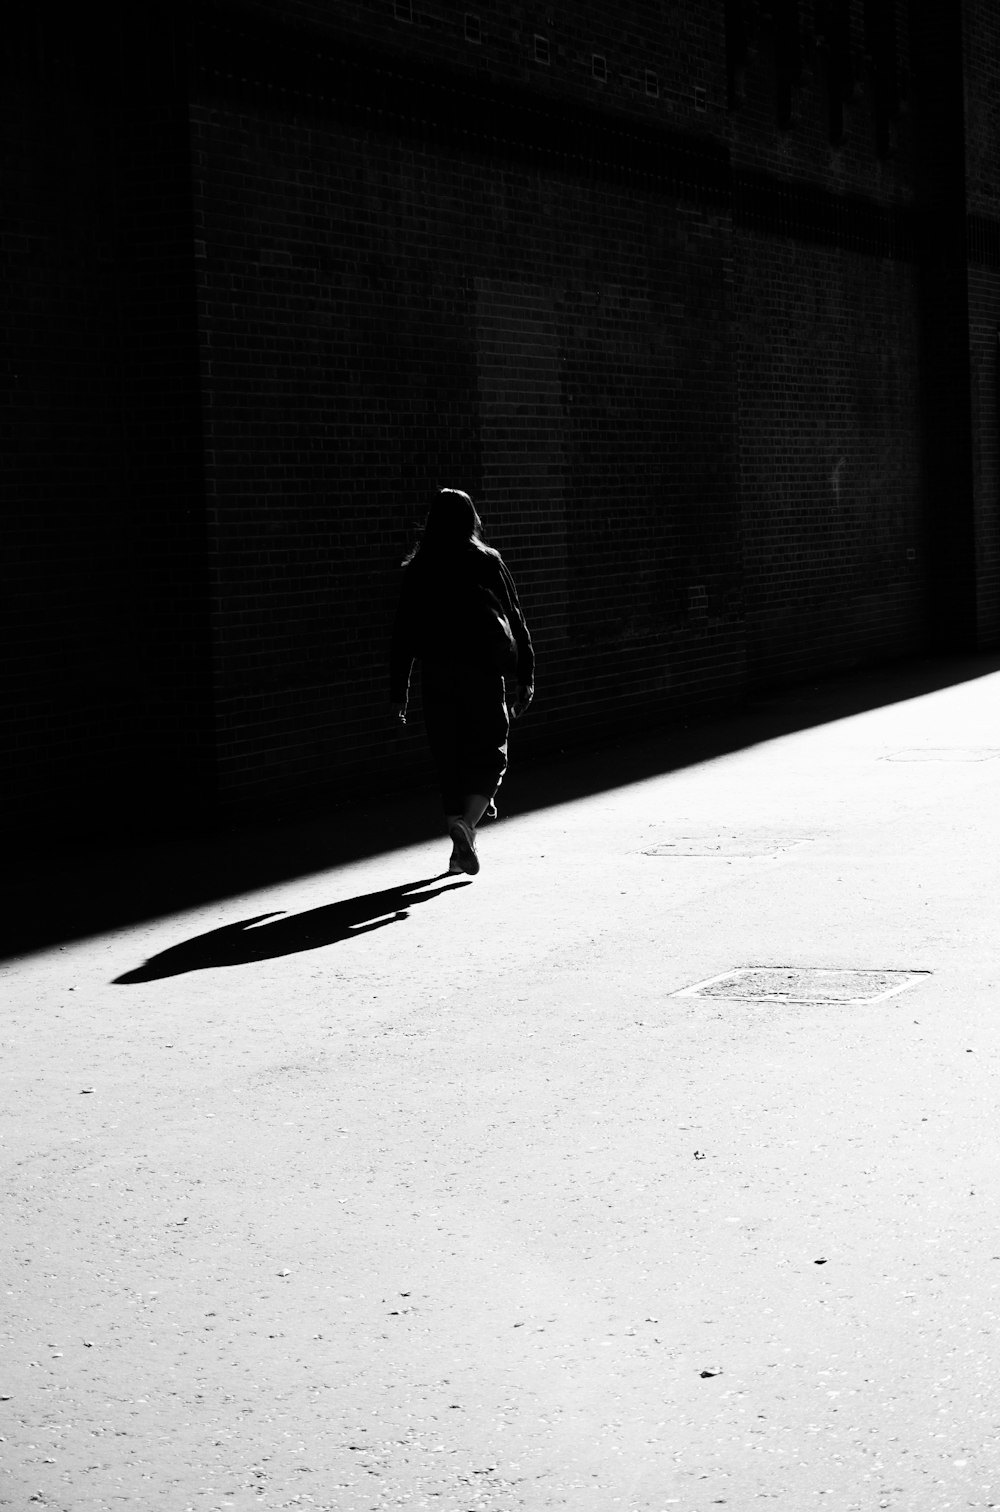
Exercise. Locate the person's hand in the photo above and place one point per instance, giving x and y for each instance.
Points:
(398, 711)
(522, 698)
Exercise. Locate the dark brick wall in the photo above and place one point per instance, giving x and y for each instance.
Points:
(984, 366)
(836, 569)
(821, 92)
(699, 301)
(379, 319)
(699, 448)
(638, 58)
(943, 309)
(105, 632)
(65, 512)
(981, 100)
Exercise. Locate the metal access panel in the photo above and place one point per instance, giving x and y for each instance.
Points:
(804, 984)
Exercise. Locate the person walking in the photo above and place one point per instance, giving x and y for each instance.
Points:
(459, 616)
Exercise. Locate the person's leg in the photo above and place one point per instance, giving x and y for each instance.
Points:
(462, 829)
(476, 805)
(482, 751)
(482, 759)
(464, 856)
(442, 719)
(455, 859)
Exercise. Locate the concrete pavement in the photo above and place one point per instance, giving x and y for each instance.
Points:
(365, 1188)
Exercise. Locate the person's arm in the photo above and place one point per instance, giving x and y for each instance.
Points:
(401, 654)
(525, 650)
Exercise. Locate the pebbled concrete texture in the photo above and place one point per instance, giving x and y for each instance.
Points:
(372, 1188)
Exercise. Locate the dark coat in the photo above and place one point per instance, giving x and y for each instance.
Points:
(441, 615)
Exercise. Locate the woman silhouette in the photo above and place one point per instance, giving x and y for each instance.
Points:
(459, 616)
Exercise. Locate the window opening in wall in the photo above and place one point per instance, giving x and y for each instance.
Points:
(700, 98)
(541, 49)
(473, 30)
(404, 10)
(599, 68)
(652, 85)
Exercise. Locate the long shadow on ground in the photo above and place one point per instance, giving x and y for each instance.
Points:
(79, 893)
(267, 936)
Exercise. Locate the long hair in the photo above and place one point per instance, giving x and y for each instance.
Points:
(452, 525)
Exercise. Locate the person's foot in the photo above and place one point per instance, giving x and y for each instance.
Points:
(455, 866)
(463, 839)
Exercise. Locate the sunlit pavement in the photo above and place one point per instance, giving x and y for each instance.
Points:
(428, 1192)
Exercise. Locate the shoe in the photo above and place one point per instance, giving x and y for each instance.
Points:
(455, 866)
(463, 838)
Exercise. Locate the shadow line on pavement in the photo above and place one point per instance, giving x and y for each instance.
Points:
(79, 894)
(268, 936)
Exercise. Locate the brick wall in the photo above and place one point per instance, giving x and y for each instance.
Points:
(700, 303)
(833, 512)
(699, 449)
(104, 551)
(822, 94)
(829, 300)
(65, 513)
(380, 318)
(981, 100)
(638, 58)
(984, 367)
